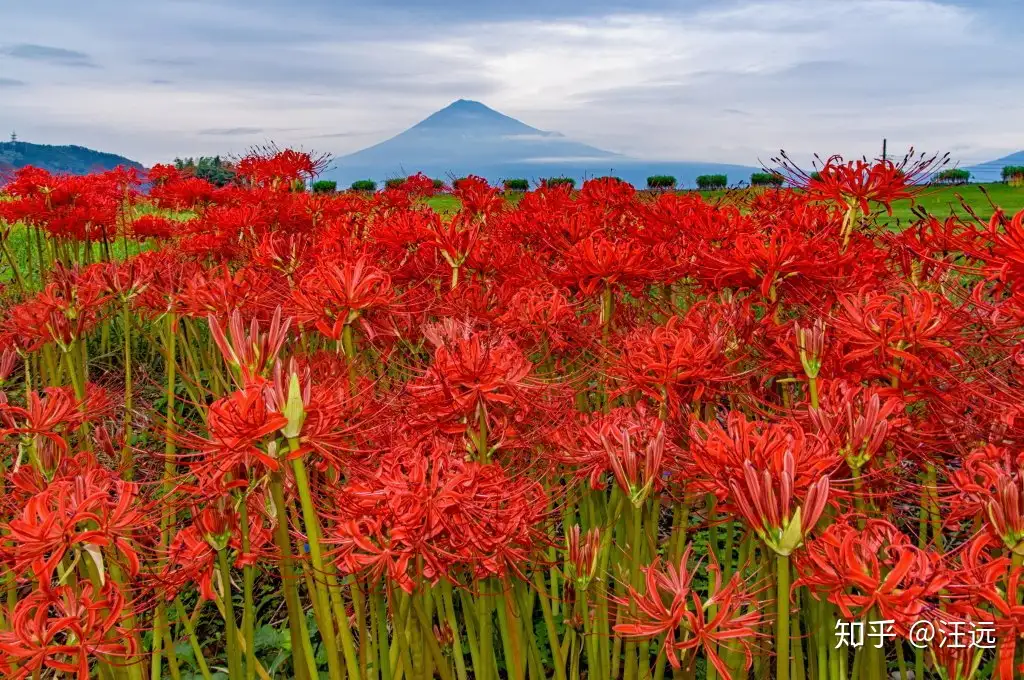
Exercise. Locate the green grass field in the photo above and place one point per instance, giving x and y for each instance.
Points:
(938, 201)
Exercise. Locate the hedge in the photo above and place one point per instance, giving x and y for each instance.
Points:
(767, 179)
(516, 184)
(661, 182)
(395, 183)
(952, 176)
(710, 182)
(325, 186)
(364, 185)
(560, 181)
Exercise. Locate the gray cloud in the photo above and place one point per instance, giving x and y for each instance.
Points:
(729, 81)
(12, 82)
(231, 132)
(52, 55)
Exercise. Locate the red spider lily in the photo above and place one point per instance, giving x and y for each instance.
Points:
(471, 373)
(478, 198)
(250, 354)
(856, 420)
(333, 296)
(1006, 512)
(596, 263)
(684, 621)
(270, 167)
(64, 629)
(236, 449)
(810, 343)
(582, 552)
(636, 479)
(976, 481)
(875, 569)
(154, 226)
(545, 315)
(221, 292)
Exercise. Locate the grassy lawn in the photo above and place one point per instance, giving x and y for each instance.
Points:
(937, 201)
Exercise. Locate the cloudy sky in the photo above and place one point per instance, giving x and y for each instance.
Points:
(730, 81)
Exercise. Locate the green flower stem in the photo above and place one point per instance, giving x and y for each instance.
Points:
(782, 618)
(234, 657)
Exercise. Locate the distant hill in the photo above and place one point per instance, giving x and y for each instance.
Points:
(76, 160)
(467, 137)
(991, 171)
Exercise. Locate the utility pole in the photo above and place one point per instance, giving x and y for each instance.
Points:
(14, 136)
(883, 148)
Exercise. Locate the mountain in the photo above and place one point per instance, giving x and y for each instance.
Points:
(991, 171)
(467, 137)
(75, 160)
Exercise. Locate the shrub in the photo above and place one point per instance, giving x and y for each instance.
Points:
(560, 181)
(816, 176)
(395, 183)
(213, 169)
(767, 179)
(661, 182)
(1014, 174)
(364, 185)
(517, 184)
(953, 176)
(438, 184)
(711, 182)
(325, 186)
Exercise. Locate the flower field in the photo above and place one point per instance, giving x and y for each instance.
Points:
(258, 432)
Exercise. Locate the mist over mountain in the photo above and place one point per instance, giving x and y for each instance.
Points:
(467, 137)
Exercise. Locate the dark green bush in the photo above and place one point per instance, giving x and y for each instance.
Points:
(213, 169)
(816, 176)
(325, 186)
(661, 182)
(767, 179)
(516, 184)
(712, 182)
(560, 181)
(953, 176)
(364, 185)
(395, 183)
(438, 184)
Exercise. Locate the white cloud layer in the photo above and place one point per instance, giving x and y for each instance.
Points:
(730, 82)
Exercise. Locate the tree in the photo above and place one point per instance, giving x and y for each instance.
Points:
(767, 179)
(213, 169)
(661, 182)
(712, 182)
(516, 184)
(364, 185)
(1014, 174)
(952, 176)
(325, 186)
(560, 181)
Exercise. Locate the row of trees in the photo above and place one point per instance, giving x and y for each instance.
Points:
(1014, 174)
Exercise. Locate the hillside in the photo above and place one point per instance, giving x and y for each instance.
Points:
(76, 160)
(469, 137)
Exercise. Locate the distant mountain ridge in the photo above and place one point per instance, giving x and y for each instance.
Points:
(992, 171)
(468, 137)
(75, 160)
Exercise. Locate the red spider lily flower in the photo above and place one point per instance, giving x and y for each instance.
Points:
(636, 479)
(857, 420)
(875, 569)
(810, 343)
(684, 619)
(770, 468)
(478, 198)
(236, 449)
(582, 552)
(250, 354)
(65, 628)
(154, 226)
(596, 263)
(1006, 512)
(975, 482)
(333, 296)
(471, 373)
(277, 169)
(675, 364)
(545, 315)
(220, 292)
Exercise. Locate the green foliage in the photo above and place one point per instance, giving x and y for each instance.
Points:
(325, 186)
(213, 169)
(438, 184)
(395, 183)
(1013, 173)
(560, 181)
(816, 176)
(364, 185)
(953, 176)
(767, 179)
(661, 182)
(75, 160)
(712, 182)
(516, 184)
